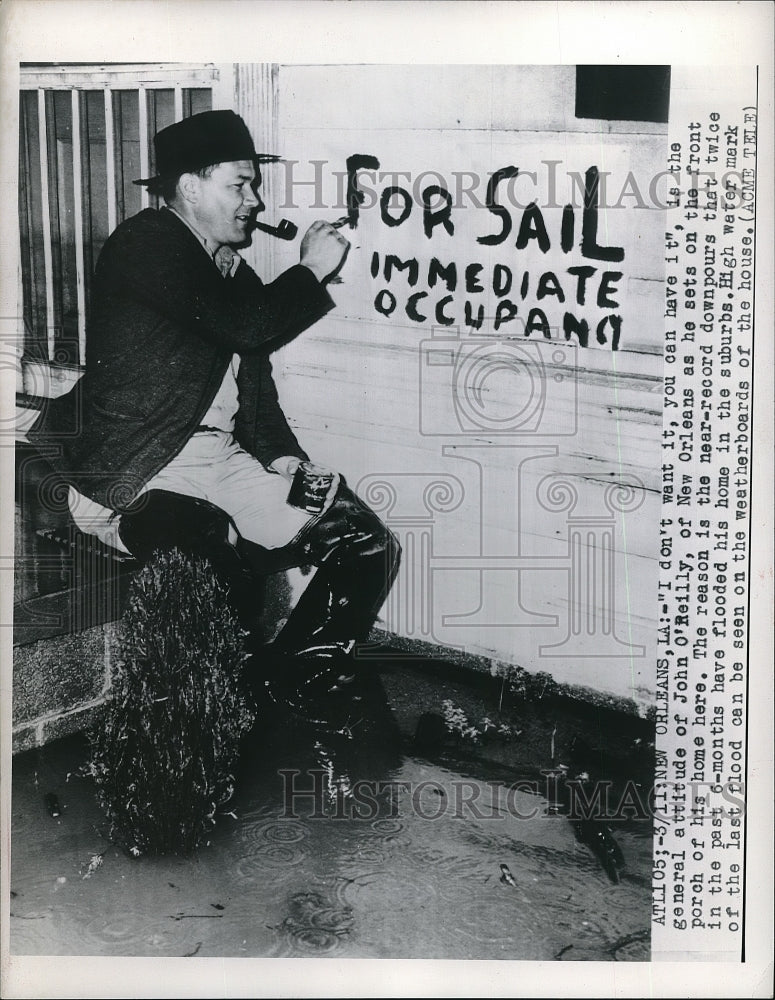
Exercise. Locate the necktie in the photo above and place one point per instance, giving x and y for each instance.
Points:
(224, 258)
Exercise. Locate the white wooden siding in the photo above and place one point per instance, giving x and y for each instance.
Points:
(500, 572)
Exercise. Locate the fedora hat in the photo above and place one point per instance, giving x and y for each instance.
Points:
(200, 141)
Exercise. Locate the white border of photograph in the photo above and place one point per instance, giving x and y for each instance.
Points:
(719, 34)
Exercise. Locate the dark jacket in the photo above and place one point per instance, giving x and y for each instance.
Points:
(163, 326)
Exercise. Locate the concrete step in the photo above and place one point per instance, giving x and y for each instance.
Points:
(60, 684)
(65, 644)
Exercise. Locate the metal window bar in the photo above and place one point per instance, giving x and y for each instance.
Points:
(48, 266)
(110, 160)
(46, 82)
(80, 277)
(142, 118)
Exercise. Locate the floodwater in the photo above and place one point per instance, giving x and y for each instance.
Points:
(354, 844)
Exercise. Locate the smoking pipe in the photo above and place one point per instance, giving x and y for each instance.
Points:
(284, 230)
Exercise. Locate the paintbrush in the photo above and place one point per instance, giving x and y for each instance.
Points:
(336, 280)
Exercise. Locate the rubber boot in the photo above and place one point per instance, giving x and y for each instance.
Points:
(357, 557)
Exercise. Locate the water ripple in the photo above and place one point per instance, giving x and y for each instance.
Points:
(131, 933)
(271, 844)
(314, 940)
(316, 925)
(360, 854)
(78, 930)
(387, 826)
(285, 832)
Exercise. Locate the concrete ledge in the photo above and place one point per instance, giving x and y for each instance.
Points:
(60, 683)
(53, 676)
(46, 729)
(62, 675)
(532, 686)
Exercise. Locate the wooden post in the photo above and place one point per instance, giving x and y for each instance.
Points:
(256, 100)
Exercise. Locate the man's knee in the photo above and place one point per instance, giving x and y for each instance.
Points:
(160, 519)
(163, 520)
(350, 528)
(392, 548)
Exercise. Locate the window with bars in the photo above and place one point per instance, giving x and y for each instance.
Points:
(85, 135)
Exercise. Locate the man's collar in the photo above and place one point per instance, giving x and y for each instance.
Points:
(202, 239)
(211, 251)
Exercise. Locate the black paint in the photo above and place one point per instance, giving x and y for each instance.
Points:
(437, 270)
(589, 244)
(472, 278)
(582, 272)
(616, 331)
(384, 200)
(505, 311)
(606, 288)
(571, 326)
(549, 285)
(441, 318)
(474, 323)
(440, 216)
(501, 279)
(385, 302)
(395, 263)
(536, 320)
(498, 210)
(356, 162)
(532, 227)
(411, 307)
(567, 229)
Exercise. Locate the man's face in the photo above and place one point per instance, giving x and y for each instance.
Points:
(226, 201)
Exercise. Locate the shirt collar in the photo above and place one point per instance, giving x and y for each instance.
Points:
(211, 250)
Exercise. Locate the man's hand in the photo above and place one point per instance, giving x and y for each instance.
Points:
(323, 250)
(287, 466)
(331, 495)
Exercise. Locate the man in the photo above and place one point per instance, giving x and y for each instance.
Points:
(175, 436)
